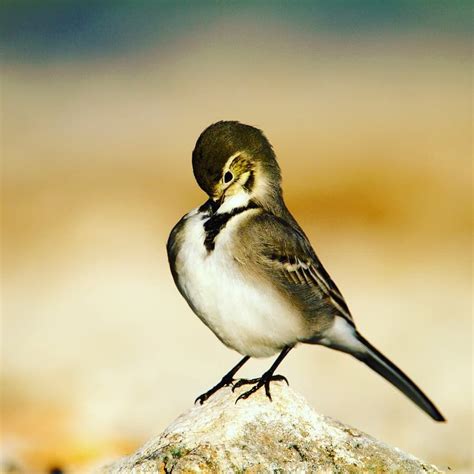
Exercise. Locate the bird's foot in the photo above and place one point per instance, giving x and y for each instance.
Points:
(223, 383)
(263, 381)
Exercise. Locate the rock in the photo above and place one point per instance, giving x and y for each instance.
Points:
(259, 436)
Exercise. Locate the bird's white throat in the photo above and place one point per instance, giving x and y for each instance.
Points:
(240, 199)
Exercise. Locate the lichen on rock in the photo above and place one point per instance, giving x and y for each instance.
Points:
(259, 436)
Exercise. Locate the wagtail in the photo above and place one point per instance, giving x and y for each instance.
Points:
(248, 271)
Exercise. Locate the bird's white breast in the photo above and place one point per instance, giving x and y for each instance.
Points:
(246, 313)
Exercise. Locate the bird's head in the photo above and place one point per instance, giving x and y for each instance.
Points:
(234, 163)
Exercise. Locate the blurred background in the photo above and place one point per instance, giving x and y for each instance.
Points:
(368, 106)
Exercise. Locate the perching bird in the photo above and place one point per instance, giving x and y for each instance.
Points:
(247, 269)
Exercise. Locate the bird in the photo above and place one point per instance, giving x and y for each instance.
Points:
(248, 271)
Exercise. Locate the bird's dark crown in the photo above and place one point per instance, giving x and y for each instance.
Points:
(220, 141)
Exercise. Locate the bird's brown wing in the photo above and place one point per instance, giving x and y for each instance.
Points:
(283, 255)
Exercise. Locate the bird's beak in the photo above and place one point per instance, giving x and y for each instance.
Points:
(217, 193)
(218, 200)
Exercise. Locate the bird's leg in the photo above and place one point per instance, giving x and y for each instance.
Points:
(226, 380)
(265, 379)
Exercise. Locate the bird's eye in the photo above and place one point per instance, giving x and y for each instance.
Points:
(228, 177)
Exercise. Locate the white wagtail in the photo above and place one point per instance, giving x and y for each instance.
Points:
(247, 269)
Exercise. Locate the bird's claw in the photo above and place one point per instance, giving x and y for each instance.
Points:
(273, 378)
(258, 383)
(223, 383)
(241, 382)
(202, 398)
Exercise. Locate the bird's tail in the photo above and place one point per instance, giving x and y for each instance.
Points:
(384, 367)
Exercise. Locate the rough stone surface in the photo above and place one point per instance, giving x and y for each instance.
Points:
(259, 436)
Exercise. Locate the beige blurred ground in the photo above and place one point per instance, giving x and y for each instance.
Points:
(100, 352)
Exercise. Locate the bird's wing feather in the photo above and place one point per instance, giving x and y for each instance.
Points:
(284, 255)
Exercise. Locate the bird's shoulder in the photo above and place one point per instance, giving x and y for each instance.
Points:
(267, 236)
(175, 234)
(176, 239)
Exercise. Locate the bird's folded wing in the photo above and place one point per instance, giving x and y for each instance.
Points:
(283, 254)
